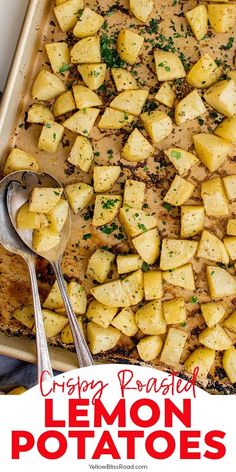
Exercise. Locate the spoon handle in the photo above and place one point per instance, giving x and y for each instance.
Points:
(81, 347)
(44, 365)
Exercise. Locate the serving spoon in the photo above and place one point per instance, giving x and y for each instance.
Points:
(13, 243)
(18, 193)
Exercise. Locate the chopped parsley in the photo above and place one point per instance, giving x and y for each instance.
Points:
(64, 68)
(87, 236)
(108, 204)
(167, 206)
(47, 125)
(142, 227)
(177, 155)
(145, 266)
(109, 52)
(108, 229)
(193, 299)
(228, 45)
(152, 27)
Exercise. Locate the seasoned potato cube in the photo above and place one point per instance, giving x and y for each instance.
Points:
(174, 311)
(230, 186)
(173, 347)
(134, 194)
(25, 314)
(230, 244)
(157, 124)
(198, 21)
(64, 104)
(180, 277)
(20, 160)
(137, 148)
(53, 323)
(106, 208)
(166, 95)
(221, 284)
(104, 177)
(50, 137)
(39, 114)
(204, 73)
(79, 195)
(213, 313)
(179, 192)
(100, 314)
(85, 97)
(129, 45)
(58, 55)
(227, 129)
(27, 219)
(123, 79)
(125, 322)
(81, 154)
(230, 322)
(229, 363)
(45, 239)
(148, 245)
(153, 289)
(99, 265)
(149, 347)
(189, 108)
(93, 74)
(54, 299)
(47, 86)
(176, 252)
(128, 263)
(111, 294)
(66, 333)
(101, 339)
(215, 338)
(222, 97)
(210, 247)
(142, 9)
(86, 51)
(202, 358)
(78, 298)
(181, 159)
(130, 101)
(192, 220)
(150, 318)
(133, 286)
(168, 66)
(214, 198)
(136, 222)
(88, 24)
(82, 121)
(43, 200)
(115, 119)
(221, 17)
(66, 13)
(231, 227)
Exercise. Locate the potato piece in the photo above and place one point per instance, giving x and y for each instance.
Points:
(157, 124)
(173, 347)
(221, 17)
(54, 299)
(100, 314)
(47, 86)
(189, 108)
(141, 9)
(229, 363)
(53, 323)
(81, 154)
(198, 21)
(45, 239)
(85, 97)
(58, 55)
(214, 198)
(150, 318)
(231, 227)
(168, 66)
(88, 24)
(227, 129)
(230, 244)
(176, 252)
(82, 121)
(66, 13)
(133, 286)
(104, 177)
(204, 73)
(215, 338)
(111, 294)
(130, 101)
(181, 159)
(179, 192)
(27, 219)
(125, 322)
(149, 347)
(123, 79)
(106, 208)
(78, 298)
(79, 195)
(115, 119)
(20, 160)
(66, 333)
(166, 95)
(192, 220)
(180, 277)
(210, 247)
(213, 313)
(134, 193)
(174, 311)
(17, 390)
(25, 314)
(222, 97)
(136, 222)
(64, 104)
(50, 137)
(230, 186)
(153, 289)
(129, 45)
(232, 75)
(221, 284)
(86, 51)
(43, 200)
(99, 265)
(201, 358)
(39, 114)
(101, 339)
(230, 322)
(148, 245)
(137, 148)
(93, 74)
(128, 263)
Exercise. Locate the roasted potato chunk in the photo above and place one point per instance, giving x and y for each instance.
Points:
(179, 192)
(100, 314)
(173, 347)
(123, 79)
(214, 198)
(134, 193)
(47, 86)
(210, 247)
(50, 137)
(106, 208)
(215, 338)
(211, 150)
(166, 95)
(229, 363)
(141, 9)
(66, 333)
(115, 119)
(43, 200)
(25, 314)
(54, 299)
(221, 17)
(129, 45)
(227, 129)
(153, 287)
(53, 323)
(125, 322)
(111, 294)
(130, 101)
(213, 313)
(157, 124)
(27, 219)
(39, 114)
(202, 358)
(148, 245)
(81, 154)
(204, 73)
(174, 311)
(189, 108)
(82, 121)
(85, 97)
(231, 227)
(176, 252)
(133, 286)
(150, 318)
(180, 277)
(101, 339)
(88, 24)
(128, 263)
(79, 195)
(20, 160)
(168, 66)
(64, 104)
(58, 215)
(104, 177)
(99, 265)
(230, 186)
(198, 21)
(93, 75)
(192, 220)
(136, 222)
(66, 13)
(149, 347)
(45, 239)
(137, 148)
(58, 55)
(181, 159)
(221, 284)
(222, 97)
(230, 322)
(86, 51)
(230, 244)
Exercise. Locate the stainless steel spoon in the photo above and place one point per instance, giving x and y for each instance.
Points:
(13, 243)
(17, 195)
